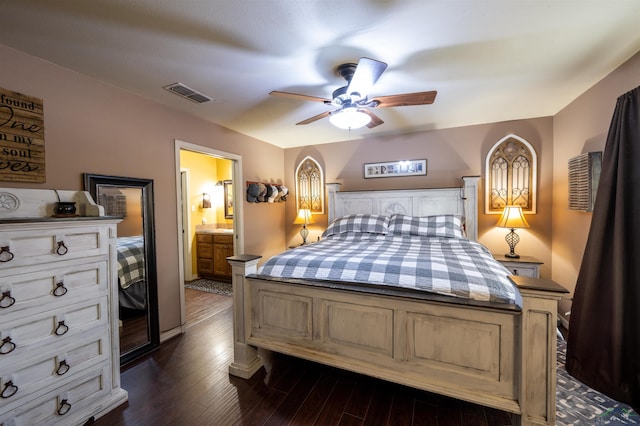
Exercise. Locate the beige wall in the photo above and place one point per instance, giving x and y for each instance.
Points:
(131, 225)
(450, 154)
(95, 128)
(89, 125)
(581, 127)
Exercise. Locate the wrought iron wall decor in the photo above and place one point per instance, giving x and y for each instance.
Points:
(310, 186)
(511, 174)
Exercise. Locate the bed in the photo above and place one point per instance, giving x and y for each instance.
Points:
(498, 351)
(132, 291)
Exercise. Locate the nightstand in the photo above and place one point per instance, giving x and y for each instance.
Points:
(526, 266)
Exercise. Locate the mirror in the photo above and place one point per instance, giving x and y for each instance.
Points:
(228, 199)
(132, 200)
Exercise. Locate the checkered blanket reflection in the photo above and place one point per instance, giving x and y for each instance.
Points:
(130, 260)
(447, 266)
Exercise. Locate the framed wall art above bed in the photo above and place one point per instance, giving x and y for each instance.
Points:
(395, 169)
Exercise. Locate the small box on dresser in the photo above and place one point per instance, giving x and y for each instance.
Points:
(59, 344)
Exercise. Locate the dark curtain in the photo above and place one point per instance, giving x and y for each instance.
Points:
(603, 347)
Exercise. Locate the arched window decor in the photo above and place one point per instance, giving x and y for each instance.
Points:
(510, 171)
(310, 186)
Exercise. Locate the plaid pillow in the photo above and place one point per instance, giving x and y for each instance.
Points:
(372, 223)
(447, 225)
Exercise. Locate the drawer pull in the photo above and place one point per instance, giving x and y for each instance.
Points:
(5, 254)
(62, 249)
(63, 368)
(60, 290)
(10, 346)
(64, 407)
(61, 329)
(9, 390)
(6, 301)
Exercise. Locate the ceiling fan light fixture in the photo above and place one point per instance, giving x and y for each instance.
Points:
(349, 118)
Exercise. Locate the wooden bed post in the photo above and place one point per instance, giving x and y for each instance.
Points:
(471, 206)
(332, 188)
(245, 357)
(539, 346)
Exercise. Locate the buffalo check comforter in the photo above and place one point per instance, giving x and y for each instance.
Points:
(454, 267)
(130, 260)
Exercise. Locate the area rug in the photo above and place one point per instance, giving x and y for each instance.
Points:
(210, 286)
(578, 405)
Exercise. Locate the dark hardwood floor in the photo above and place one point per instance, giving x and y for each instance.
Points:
(186, 382)
(201, 306)
(133, 329)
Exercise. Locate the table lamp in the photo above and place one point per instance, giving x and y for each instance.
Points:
(512, 217)
(304, 218)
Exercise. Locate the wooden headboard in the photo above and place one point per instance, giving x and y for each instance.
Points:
(413, 202)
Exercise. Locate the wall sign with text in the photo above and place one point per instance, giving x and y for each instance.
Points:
(21, 138)
(395, 169)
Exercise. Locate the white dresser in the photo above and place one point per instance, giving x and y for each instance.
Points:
(59, 348)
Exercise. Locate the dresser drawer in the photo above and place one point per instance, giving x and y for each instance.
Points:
(27, 378)
(69, 404)
(42, 329)
(35, 246)
(526, 266)
(223, 239)
(204, 238)
(525, 271)
(45, 287)
(205, 250)
(205, 266)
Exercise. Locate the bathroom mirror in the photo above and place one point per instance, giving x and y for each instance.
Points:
(132, 200)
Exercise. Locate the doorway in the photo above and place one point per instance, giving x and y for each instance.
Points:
(205, 204)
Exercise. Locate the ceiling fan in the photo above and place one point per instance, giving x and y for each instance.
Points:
(353, 106)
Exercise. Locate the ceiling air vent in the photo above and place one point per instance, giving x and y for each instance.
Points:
(584, 175)
(187, 92)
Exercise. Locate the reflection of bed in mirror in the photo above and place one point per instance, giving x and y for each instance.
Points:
(132, 287)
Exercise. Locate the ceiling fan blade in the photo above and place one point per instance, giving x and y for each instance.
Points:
(300, 97)
(367, 73)
(407, 99)
(375, 120)
(315, 118)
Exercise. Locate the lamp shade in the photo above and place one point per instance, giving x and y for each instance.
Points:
(512, 217)
(349, 118)
(304, 217)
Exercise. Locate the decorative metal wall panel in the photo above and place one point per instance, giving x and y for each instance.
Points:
(584, 175)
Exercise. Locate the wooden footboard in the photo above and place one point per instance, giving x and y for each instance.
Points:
(500, 358)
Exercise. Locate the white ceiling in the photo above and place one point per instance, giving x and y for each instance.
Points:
(489, 60)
